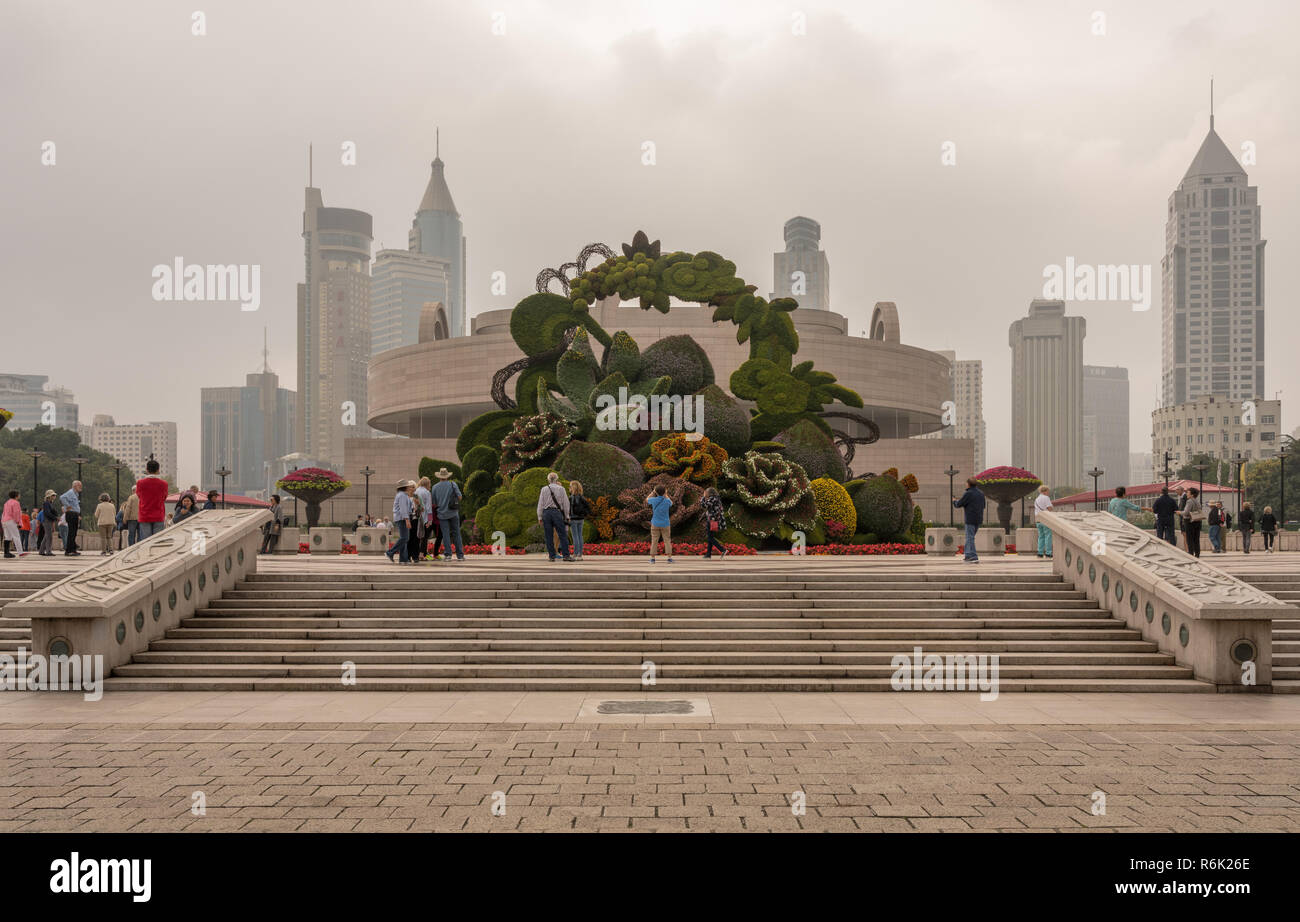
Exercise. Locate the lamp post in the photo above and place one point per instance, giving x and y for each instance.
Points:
(295, 504)
(952, 513)
(1281, 503)
(79, 461)
(36, 460)
(1239, 460)
(117, 467)
(367, 472)
(1095, 474)
(1201, 469)
(223, 472)
(1168, 471)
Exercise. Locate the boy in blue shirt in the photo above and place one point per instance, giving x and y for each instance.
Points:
(660, 525)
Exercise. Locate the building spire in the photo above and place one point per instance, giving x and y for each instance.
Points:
(266, 354)
(1211, 102)
(437, 132)
(309, 166)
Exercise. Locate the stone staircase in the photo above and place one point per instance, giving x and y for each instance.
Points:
(746, 628)
(1285, 587)
(17, 632)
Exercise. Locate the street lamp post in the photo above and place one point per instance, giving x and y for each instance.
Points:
(1168, 471)
(223, 472)
(79, 461)
(1239, 460)
(1281, 503)
(1095, 474)
(367, 472)
(952, 512)
(117, 467)
(1201, 469)
(36, 488)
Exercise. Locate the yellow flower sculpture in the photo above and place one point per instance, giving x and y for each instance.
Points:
(834, 503)
(698, 461)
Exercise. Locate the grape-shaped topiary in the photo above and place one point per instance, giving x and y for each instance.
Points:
(768, 494)
(682, 360)
(534, 441)
(699, 461)
(726, 422)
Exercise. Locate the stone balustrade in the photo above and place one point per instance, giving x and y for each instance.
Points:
(1210, 621)
(118, 606)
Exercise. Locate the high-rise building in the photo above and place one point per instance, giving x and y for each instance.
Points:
(801, 271)
(437, 232)
(967, 396)
(1219, 428)
(134, 443)
(333, 329)
(401, 284)
(1047, 394)
(32, 402)
(246, 429)
(1106, 423)
(1212, 282)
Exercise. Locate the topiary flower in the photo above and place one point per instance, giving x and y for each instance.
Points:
(603, 513)
(534, 441)
(767, 493)
(910, 483)
(699, 461)
(634, 519)
(834, 505)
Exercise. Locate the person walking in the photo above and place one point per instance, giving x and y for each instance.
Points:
(272, 529)
(10, 519)
(1166, 509)
(49, 522)
(403, 507)
(1043, 503)
(425, 496)
(24, 528)
(72, 513)
(579, 509)
(715, 517)
(415, 543)
(973, 502)
(1268, 528)
(553, 512)
(1193, 516)
(106, 521)
(34, 539)
(1182, 520)
(151, 491)
(1120, 506)
(1246, 522)
(131, 517)
(1215, 521)
(660, 523)
(446, 500)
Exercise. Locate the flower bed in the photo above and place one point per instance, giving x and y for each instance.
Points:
(854, 550)
(642, 548)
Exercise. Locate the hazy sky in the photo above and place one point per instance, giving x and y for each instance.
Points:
(1068, 144)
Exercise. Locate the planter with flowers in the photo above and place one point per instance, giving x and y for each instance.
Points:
(1006, 485)
(312, 485)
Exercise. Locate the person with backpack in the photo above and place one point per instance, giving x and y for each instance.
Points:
(1247, 525)
(660, 524)
(446, 497)
(579, 509)
(553, 513)
(715, 517)
(1268, 528)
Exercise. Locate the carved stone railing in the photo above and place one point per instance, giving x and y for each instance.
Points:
(116, 607)
(1218, 625)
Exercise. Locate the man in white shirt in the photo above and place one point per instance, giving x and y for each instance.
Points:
(1042, 503)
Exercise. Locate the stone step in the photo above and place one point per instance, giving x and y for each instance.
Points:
(281, 598)
(645, 621)
(904, 635)
(568, 605)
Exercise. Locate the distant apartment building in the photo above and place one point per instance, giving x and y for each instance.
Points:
(1217, 427)
(1047, 393)
(33, 402)
(134, 443)
(1106, 423)
(246, 429)
(801, 271)
(402, 283)
(967, 396)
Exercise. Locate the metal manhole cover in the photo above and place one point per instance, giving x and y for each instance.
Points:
(646, 707)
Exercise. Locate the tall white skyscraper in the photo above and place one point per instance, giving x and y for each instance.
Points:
(437, 232)
(1047, 394)
(1212, 282)
(801, 271)
(968, 407)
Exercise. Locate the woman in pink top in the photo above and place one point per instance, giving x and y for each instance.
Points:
(10, 521)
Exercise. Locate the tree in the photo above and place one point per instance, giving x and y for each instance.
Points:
(56, 469)
(1217, 471)
(1263, 486)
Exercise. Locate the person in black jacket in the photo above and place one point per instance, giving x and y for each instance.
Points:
(1166, 509)
(579, 509)
(49, 522)
(1268, 528)
(973, 502)
(714, 522)
(1246, 522)
(1215, 521)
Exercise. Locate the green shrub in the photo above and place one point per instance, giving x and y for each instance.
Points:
(488, 429)
(680, 358)
(726, 422)
(429, 468)
(813, 450)
(603, 470)
(513, 510)
(883, 505)
(481, 458)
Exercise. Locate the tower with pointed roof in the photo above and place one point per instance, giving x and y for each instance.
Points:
(1212, 281)
(437, 232)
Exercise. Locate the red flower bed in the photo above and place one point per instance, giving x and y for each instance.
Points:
(859, 550)
(642, 548)
(487, 549)
(303, 548)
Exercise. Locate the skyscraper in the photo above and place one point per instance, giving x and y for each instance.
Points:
(437, 232)
(1106, 423)
(333, 329)
(802, 271)
(401, 284)
(32, 402)
(967, 395)
(1212, 282)
(246, 429)
(1047, 394)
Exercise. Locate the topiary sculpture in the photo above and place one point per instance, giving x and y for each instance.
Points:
(883, 505)
(726, 422)
(534, 441)
(808, 445)
(769, 495)
(513, 510)
(697, 460)
(603, 470)
(633, 521)
(835, 505)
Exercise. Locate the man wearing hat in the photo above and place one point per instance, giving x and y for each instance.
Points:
(446, 498)
(403, 509)
(49, 522)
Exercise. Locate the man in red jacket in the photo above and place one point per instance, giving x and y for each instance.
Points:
(152, 491)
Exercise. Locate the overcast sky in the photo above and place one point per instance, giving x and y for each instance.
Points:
(1068, 144)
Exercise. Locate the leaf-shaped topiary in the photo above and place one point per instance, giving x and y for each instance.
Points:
(534, 441)
(834, 503)
(633, 521)
(767, 491)
(699, 461)
(513, 510)
(682, 360)
(488, 429)
(812, 449)
(603, 470)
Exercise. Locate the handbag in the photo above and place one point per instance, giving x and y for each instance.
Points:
(714, 526)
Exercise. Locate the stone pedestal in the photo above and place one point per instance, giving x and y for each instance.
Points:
(289, 540)
(942, 541)
(990, 540)
(325, 540)
(371, 540)
(1027, 541)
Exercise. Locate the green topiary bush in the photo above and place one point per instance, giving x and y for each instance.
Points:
(883, 505)
(429, 468)
(726, 422)
(603, 470)
(488, 429)
(680, 358)
(767, 491)
(813, 450)
(513, 510)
